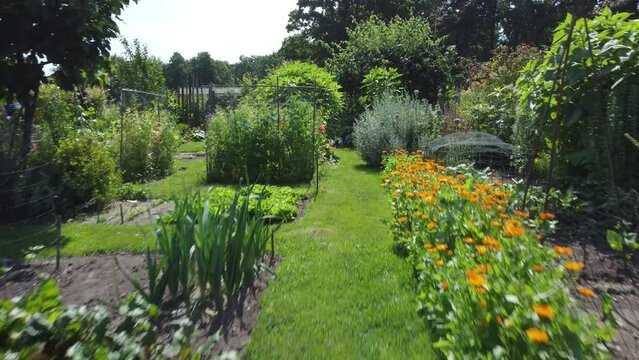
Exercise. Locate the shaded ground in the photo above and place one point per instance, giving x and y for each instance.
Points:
(96, 280)
(605, 271)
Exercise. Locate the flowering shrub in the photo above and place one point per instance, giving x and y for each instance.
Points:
(488, 287)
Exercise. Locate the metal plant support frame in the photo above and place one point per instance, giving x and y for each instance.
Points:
(123, 106)
(278, 89)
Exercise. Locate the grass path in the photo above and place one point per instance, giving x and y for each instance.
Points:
(341, 292)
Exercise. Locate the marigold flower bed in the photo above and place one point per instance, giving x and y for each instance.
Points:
(488, 287)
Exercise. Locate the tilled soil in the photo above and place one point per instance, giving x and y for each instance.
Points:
(131, 212)
(96, 280)
(605, 270)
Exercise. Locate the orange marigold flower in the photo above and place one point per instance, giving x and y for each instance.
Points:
(444, 285)
(474, 278)
(538, 237)
(546, 216)
(442, 247)
(504, 216)
(586, 292)
(498, 183)
(428, 246)
(481, 249)
(418, 213)
(538, 268)
(491, 242)
(425, 217)
(522, 214)
(439, 262)
(431, 225)
(574, 266)
(544, 310)
(402, 219)
(495, 223)
(537, 335)
(562, 250)
(432, 251)
(410, 194)
(499, 320)
(480, 290)
(513, 228)
(450, 253)
(469, 240)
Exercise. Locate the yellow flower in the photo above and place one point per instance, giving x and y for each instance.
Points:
(481, 249)
(418, 213)
(537, 335)
(469, 240)
(574, 266)
(586, 292)
(431, 225)
(491, 242)
(544, 310)
(442, 247)
(439, 262)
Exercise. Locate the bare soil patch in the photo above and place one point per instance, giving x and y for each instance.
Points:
(605, 271)
(190, 156)
(96, 280)
(130, 212)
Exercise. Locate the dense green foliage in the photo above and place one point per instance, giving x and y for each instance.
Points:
(176, 71)
(82, 168)
(379, 82)
(137, 70)
(394, 123)
(149, 145)
(73, 36)
(259, 142)
(324, 91)
(489, 103)
(599, 104)
(407, 45)
(256, 67)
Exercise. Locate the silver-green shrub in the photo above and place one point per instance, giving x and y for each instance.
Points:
(392, 123)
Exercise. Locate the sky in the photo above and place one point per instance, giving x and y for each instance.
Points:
(224, 28)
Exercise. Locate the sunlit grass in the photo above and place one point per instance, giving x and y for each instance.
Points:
(341, 292)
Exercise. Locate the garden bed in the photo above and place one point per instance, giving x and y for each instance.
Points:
(96, 280)
(605, 271)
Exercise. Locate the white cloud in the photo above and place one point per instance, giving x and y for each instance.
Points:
(224, 28)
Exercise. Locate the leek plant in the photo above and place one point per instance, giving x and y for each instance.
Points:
(215, 251)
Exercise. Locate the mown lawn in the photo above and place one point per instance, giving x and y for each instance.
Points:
(77, 239)
(192, 147)
(341, 292)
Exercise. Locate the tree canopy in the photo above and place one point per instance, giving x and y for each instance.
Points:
(138, 70)
(71, 36)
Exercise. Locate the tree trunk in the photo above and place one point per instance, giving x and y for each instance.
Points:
(29, 105)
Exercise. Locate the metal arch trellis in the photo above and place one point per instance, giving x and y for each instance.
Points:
(278, 102)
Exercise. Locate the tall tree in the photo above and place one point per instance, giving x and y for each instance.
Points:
(256, 67)
(222, 73)
(325, 22)
(201, 67)
(138, 70)
(73, 36)
(175, 72)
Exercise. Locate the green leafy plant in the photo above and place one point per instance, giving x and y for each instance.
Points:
(599, 88)
(216, 250)
(623, 240)
(149, 144)
(258, 141)
(379, 82)
(37, 325)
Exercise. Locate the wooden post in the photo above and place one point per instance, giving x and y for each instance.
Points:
(121, 215)
(58, 240)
